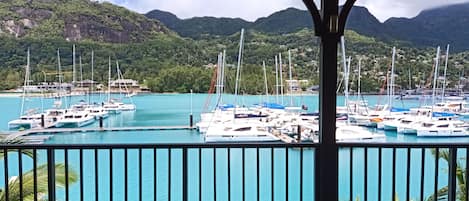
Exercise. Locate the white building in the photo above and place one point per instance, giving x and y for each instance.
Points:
(129, 83)
(295, 85)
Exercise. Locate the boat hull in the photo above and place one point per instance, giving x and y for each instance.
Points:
(74, 124)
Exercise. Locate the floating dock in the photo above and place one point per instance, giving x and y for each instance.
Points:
(28, 136)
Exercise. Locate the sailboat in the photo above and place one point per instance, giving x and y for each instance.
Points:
(30, 118)
(124, 106)
(113, 105)
(237, 124)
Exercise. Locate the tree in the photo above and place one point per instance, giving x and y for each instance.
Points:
(442, 193)
(28, 177)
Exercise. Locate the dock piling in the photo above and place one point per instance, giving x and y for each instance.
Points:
(100, 122)
(191, 120)
(43, 122)
(299, 133)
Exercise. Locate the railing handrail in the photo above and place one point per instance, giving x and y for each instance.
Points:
(159, 146)
(403, 144)
(238, 145)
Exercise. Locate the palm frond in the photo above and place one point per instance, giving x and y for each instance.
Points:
(42, 180)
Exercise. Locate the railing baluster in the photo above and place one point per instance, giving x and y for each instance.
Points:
(51, 173)
(20, 173)
(393, 179)
(452, 165)
(169, 174)
(155, 175)
(5, 158)
(435, 190)
(286, 174)
(214, 174)
(272, 165)
(366, 174)
(96, 178)
(125, 175)
(467, 174)
(257, 175)
(110, 175)
(200, 174)
(301, 173)
(81, 175)
(422, 175)
(35, 174)
(66, 175)
(351, 174)
(184, 174)
(229, 173)
(140, 178)
(379, 172)
(243, 181)
(407, 186)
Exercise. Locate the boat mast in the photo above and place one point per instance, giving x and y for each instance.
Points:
(81, 72)
(61, 78)
(92, 75)
(240, 53)
(291, 79)
(347, 80)
(119, 78)
(391, 87)
(109, 82)
(276, 78)
(222, 81)
(344, 60)
(74, 67)
(359, 78)
(437, 59)
(444, 74)
(26, 83)
(281, 75)
(265, 82)
(219, 71)
(238, 69)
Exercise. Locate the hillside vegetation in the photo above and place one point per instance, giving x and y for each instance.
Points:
(165, 62)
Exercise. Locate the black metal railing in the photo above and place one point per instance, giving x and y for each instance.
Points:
(426, 171)
(273, 171)
(161, 171)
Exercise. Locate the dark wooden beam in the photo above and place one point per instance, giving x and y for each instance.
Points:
(329, 26)
(313, 9)
(346, 8)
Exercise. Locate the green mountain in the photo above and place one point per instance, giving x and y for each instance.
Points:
(289, 20)
(438, 26)
(199, 26)
(76, 20)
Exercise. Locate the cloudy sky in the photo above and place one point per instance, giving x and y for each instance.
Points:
(252, 9)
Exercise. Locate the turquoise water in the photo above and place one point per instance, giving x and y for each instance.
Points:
(174, 109)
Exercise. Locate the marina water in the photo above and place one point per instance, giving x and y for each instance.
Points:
(173, 110)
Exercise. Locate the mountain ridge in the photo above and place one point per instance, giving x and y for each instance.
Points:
(429, 28)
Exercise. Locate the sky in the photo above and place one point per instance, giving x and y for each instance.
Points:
(252, 9)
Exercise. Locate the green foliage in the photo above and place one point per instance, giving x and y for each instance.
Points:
(156, 51)
(181, 79)
(29, 178)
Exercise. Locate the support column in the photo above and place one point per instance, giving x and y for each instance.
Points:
(327, 154)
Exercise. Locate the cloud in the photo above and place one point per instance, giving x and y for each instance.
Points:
(253, 9)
